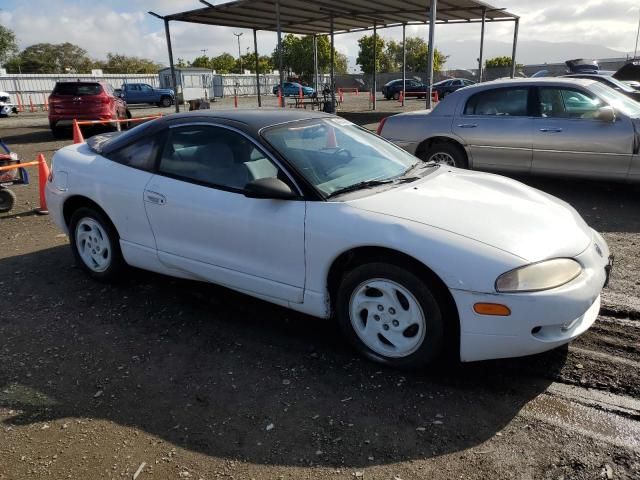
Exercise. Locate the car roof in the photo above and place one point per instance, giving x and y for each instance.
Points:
(249, 121)
(254, 119)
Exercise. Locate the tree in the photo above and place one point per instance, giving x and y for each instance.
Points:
(8, 45)
(51, 58)
(297, 53)
(365, 54)
(417, 53)
(182, 63)
(201, 62)
(249, 63)
(497, 62)
(224, 63)
(118, 63)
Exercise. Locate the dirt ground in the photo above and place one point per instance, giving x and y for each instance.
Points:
(175, 379)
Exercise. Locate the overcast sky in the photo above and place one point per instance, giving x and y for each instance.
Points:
(124, 26)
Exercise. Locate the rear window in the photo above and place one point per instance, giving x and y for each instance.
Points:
(77, 88)
(508, 102)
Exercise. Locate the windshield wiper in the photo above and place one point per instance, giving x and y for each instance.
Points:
(359, 186)
(419, 165)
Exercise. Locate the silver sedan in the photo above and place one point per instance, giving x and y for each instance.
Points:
(546, 126)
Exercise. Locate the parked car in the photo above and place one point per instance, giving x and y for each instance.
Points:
(83, 101)
(312, 212)
(445, 87)
(292, 89)
(143, 93)
(6, 107)
(611, 82)
(550, 126)
(413, 88)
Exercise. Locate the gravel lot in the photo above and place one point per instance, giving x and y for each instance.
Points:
(177, 379)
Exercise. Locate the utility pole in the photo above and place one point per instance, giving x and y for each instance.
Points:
(635, 52)
(239, 53)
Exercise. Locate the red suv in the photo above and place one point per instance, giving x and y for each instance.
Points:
(83, 101)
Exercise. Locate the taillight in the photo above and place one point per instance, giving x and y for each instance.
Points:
(379, 130)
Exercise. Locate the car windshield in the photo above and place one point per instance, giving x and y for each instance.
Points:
(335, 155)
(617, 100)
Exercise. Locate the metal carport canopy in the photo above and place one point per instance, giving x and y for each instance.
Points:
(314, 17)
(322, 17)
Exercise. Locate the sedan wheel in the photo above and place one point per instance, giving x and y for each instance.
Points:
(95, 244)
(396, 96)
(447, 154)
(390, 315)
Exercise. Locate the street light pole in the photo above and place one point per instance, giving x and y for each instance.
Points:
(635, 52)
(239, 53)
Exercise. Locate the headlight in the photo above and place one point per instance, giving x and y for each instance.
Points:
(539, 276)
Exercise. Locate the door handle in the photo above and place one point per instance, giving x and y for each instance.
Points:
(551, 130)
(154, 197)
(468, 125)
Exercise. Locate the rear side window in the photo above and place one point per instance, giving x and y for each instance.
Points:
(502, 102)
(77, 88)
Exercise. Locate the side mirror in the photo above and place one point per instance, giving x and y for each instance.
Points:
(606, 114)
(271, 188)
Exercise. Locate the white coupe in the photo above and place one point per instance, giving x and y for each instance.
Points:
(312, 212)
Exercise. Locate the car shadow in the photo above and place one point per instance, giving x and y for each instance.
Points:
(224, 374)
(605, 206)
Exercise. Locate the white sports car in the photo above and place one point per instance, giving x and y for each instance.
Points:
(312, 212)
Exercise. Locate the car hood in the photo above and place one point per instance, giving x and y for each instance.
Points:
(491, 209)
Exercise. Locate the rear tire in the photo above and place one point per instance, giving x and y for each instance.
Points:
(447, 154)
(390, 315)
(7, 200)
(396, 96)
(95, 244)
(56, 131)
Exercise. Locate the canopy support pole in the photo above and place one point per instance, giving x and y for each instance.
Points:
(280, 62)
(333, 72)
(404, 62)
(481, 57)
(432, 33)
(375, 67)
(515, 46)
(315, 63)
(255, 49)
(173, 68)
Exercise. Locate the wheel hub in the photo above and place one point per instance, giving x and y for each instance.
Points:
(443, 158)
(93, 244)
(387, 318)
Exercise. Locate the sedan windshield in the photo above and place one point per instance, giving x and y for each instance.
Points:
(337, 156)
(617, 100)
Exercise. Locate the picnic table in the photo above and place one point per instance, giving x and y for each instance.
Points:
(302, 102)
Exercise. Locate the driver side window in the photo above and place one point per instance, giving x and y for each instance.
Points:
(214, 156)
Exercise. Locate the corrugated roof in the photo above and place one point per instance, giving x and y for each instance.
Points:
(314, 17)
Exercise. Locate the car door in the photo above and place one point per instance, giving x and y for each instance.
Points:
(146, 94)
(569, 140)
(496, 126)
(203, 223)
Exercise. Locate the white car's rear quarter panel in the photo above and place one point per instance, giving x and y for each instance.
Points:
(116, 188)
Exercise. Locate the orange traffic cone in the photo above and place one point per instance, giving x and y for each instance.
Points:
(43, 176)
(77, 133)
(279, 97)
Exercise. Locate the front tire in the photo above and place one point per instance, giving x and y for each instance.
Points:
(165, 102)
(390, 315)
(447, 154)
(7, 200)
(96, 245)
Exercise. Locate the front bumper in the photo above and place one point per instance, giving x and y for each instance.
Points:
(539, 321)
